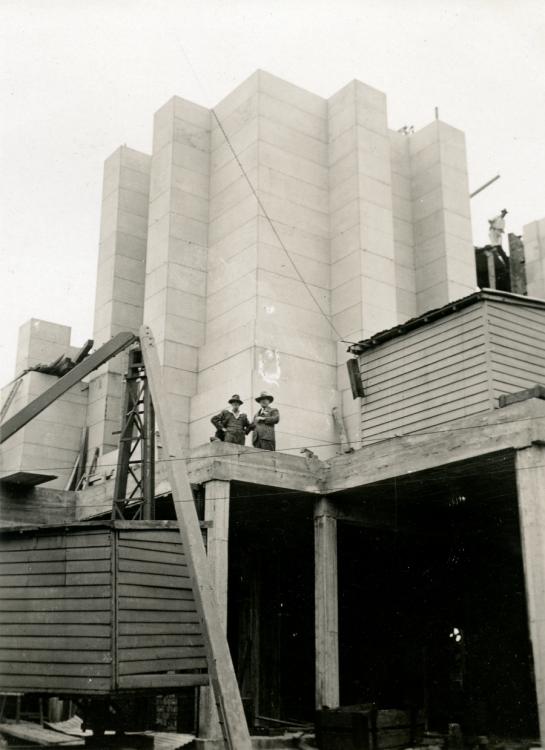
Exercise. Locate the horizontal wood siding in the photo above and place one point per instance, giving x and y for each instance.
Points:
(517, 347)
(56, 612)
(160, 643)
(422, 379)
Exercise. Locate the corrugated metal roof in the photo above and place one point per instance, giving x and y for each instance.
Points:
(440, 312)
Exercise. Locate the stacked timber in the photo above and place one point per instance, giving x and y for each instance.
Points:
(96, 609)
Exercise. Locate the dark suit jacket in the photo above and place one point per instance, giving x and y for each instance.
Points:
(231, 424)
(265, 430)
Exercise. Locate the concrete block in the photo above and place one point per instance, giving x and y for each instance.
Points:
(376, 217)
(294, 214)
(379, 294)
(282, 314)
(292, 165)
(184, 330)
(377, 318)
(188, 204)
(238, 191)
(428, 204)
(349, 322)
(375, 192)
(237, 367)
(309, 244)
(136, 226)
(135, 181)
(190, 158)
(205, 405)
(182, 278)
(128, 291)
(292, 94)
(292, 141)
(432, 297)
(222, 177)
(179, 382)
(346, 295)
(238, 143)
(343, 244)
(231, 296)
(292, 291)
(344, 193)
(234, 318)
(406, 304)
(222, 273)
(343, 169)
(132, 202)
(346, 217)
(431, 274)
(274, 259)
(161, 170)
(343, 147)
(280, 111)
(191, 230)
(185, 305)
(459, 226)
(132, 269)
(134, 160)
(299, 191)
(218, 350)
(119, 243)
(109, 215)
(401, 185)
(274, 340)
(377, 242)
(232, 244)
(237, 96)
(375, 165)
(346, 269)
(155, 306)
(405, 278)
(244, 113)
(402, 208)
(457, 201)
(180, 356)
(231, 219)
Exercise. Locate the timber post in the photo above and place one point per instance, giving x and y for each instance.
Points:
(326, 604)
(530, 468)
(216, 510)
(220, 666)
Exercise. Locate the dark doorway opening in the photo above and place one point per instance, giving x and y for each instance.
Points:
(271, 600)
(432, 605)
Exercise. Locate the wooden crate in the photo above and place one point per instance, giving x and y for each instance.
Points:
(363, 727)
(97, 608)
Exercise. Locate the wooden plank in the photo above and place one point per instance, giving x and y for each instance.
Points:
(45, 606)
(168, 536)
(53, 684)
(150, 605)
(48, 656)
(56, 643)
(183, 591)
(151, 556)
(155, 628)
(157, 569)
(159, 581)
(155, 616)
(164, 641)
(155, 666)
(56, 630)
(51, 555)
(65, 617)
(222, 675)
(56, 592)
(163, 680)
(149, 654)
(57, 566)
(55, 579)
(69, 669)
(33, 541)
(45, 399)
(177, 549)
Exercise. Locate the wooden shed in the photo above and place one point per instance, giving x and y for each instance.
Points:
(97, 608)
(450, 363)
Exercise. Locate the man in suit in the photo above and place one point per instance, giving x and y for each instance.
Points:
(231, 424)
(263, 423)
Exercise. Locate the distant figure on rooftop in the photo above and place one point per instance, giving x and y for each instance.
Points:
(496, 229)
(231, 424)
(263, 423)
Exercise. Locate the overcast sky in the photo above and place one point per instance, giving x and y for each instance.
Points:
(81, 77)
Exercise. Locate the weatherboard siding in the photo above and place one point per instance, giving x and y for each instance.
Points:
(426, 377)
(517, 347)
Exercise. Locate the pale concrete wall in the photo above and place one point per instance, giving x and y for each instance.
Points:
(363, 275)
(534, 252)
(263, 328)
(175, 297)
(119, 301)
(50, 443)
(444, 255)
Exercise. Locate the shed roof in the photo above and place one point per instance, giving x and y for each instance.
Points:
(441, 312)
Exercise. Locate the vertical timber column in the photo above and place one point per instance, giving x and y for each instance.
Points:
(326, 605)
(216, 510)
(530, 467)
(534, 250)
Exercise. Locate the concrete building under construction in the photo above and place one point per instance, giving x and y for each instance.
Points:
(398, 561)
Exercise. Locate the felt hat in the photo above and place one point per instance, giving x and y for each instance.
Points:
(263, 395)
(235, 398)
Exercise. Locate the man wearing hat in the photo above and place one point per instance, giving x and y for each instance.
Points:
(264, 422)
(231, 424)
(496, 228)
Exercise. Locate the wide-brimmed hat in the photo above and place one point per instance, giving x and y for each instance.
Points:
(235, 397)
(263, 395)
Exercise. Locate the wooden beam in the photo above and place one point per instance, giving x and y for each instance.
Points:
(220, 666)
(45, 399)
(326, 605)
(530, 468)
(21, 504)
(216, 513)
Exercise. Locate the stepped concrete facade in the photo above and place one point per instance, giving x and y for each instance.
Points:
(260, 236)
